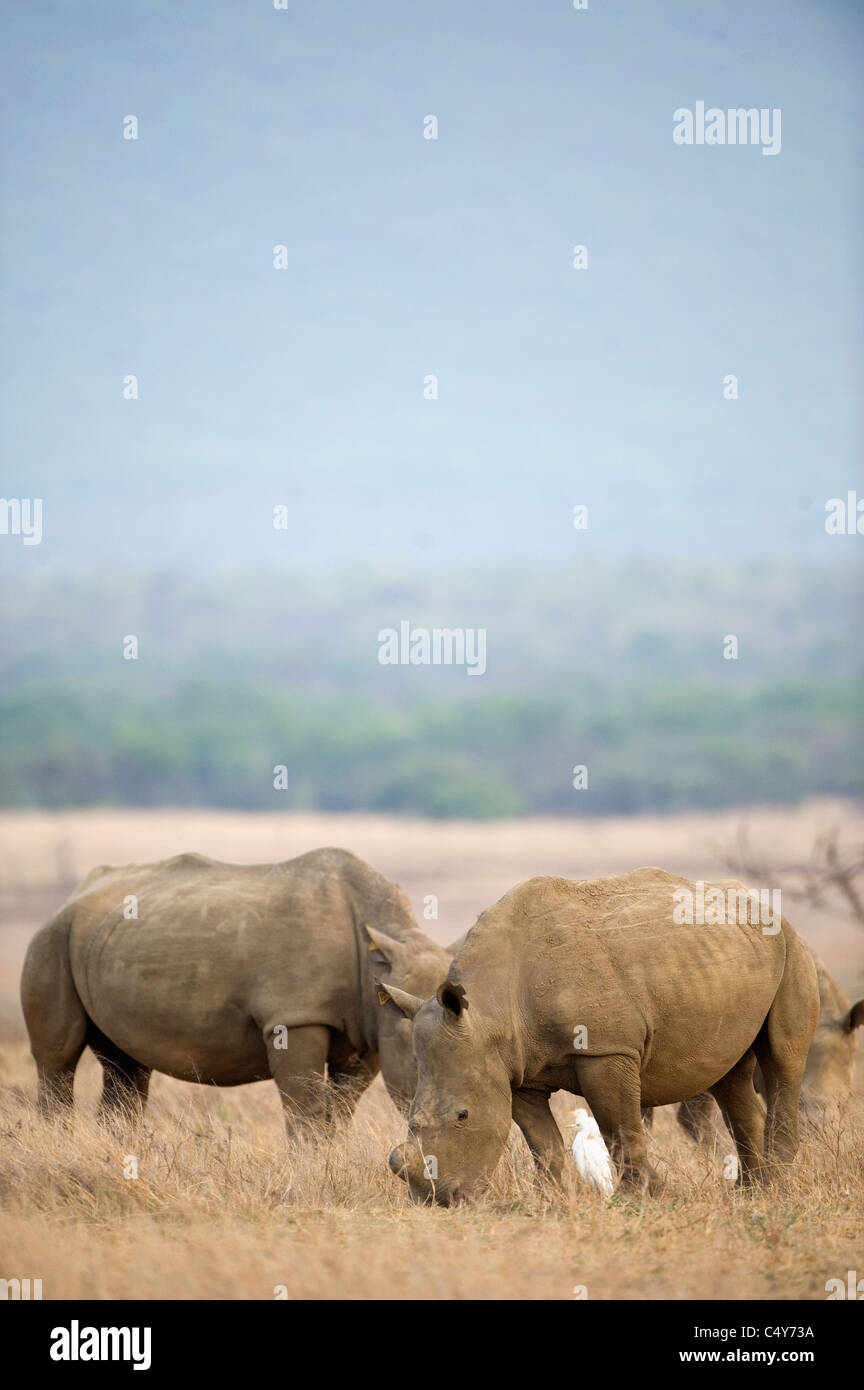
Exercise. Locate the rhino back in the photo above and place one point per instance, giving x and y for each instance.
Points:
(215, 951)
(606, 956)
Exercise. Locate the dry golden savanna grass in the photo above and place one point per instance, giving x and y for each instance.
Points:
(223, 1208)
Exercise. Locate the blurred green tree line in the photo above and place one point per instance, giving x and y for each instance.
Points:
(622, 672)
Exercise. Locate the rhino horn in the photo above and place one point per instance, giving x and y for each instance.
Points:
(408, 1003)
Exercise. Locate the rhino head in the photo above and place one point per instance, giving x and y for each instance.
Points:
(403, 967)
(460, 1116)
(828, 1077)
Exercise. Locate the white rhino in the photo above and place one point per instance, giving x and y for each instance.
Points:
(225, 974)
(595, 988)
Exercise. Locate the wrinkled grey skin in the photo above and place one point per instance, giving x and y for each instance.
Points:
(827, 1082)
(669, 1010)
(231, 973)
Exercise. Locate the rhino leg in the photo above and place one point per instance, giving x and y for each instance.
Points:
(56, 1088)
(55, 1017)
(742, 1111)
(782, 1047)
(694, 1117)
(298, 1069)
(348, 1080)
(783, 1085)
(782, 1076)
(536, 1121)
(125, 1082)
(612, 1088)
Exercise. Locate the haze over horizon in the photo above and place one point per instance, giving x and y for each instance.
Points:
(408, 256)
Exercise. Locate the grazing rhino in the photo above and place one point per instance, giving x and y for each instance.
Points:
(592, 987)
(827, 1081)
(225, 974)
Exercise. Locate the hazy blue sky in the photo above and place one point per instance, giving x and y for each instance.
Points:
(409, 256)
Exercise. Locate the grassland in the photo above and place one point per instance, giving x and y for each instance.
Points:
(222, 1208)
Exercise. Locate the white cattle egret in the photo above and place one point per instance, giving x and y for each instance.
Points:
(591, 1155)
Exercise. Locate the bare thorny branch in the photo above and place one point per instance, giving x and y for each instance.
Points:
(829, 880)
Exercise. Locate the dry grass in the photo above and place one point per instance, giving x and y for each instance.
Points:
(223, 1208)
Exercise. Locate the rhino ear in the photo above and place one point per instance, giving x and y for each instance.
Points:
(855, 1017)
(451, 997)
(408, 1003)
(385, 947)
